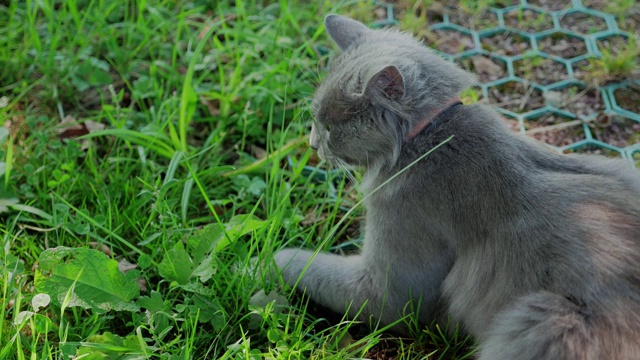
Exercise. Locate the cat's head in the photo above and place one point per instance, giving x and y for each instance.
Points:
(381, 85)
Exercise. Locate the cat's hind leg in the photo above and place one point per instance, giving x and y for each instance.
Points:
(546, 326)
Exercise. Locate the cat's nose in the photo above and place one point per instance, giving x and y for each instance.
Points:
(313, 138)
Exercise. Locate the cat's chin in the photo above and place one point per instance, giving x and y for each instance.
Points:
(327, 156)
(321, 154)
(333, 160)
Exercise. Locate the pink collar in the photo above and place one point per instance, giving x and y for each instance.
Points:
(428, 120)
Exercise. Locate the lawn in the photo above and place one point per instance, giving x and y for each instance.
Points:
(153, 152)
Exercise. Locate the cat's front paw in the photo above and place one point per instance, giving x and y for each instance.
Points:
(291, 263)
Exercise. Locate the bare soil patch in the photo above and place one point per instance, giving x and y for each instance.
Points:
(540, 70)
(562, 45)
(486, 67)
(582, 102)
(553, 5)
(506, 43)
(614, 44)
(451, 41)
(483, 20)
(555, 130)
(628, 98)
(516, 97)
(583, 23)
(528, 20)
(616, 130)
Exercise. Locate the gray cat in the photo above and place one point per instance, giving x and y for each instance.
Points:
(535, 254)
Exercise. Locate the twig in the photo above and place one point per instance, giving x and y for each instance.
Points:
(526, 97)
(24, 226)
(558, 126)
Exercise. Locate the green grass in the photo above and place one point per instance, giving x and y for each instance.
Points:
(615, 66)
(201, 104)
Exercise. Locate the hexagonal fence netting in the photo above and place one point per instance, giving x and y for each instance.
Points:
(563, 72)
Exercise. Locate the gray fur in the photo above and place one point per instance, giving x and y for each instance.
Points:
(536, 254)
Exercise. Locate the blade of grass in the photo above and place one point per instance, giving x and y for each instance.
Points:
(8, 163)
(138, 138)
(278, 154)
(188, 97)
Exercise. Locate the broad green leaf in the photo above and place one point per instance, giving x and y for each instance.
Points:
(44, 324)
(198, 288)
(210, 311)
(11, 263)
(144, 261)
(99, 285)
(212, 239)
(177, 265)
(144, 87)
(273, 335)
(238, 226)
(89, 74)
(205, 269)
(197, 260)
(110, 346)
(154, 302)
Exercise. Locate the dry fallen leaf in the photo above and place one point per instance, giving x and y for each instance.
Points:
(345, 341)
(212, 105)
(381, 13)
(101, 247)
(124, 265)
(554, 98)
(69, 127)
(142, 284)
(94, 126)
(258, 152)
(483, 65)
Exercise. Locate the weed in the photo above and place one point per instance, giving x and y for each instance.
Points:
(614, 65)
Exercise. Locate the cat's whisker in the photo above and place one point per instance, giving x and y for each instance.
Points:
(314, 75)
(348, 170)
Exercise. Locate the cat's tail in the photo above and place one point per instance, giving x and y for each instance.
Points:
(545, 326)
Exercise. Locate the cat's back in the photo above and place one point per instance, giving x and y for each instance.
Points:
(483, 128)
(588, 191)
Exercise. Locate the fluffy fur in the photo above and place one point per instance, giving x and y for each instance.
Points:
(536, 254)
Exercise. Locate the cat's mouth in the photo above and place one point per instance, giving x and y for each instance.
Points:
(321, 153)
(327, 156)
(315, 142)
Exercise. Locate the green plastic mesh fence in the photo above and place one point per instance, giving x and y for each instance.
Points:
(548, 66)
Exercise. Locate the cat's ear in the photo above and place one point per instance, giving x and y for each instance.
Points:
(387, 82)
(344, 31)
